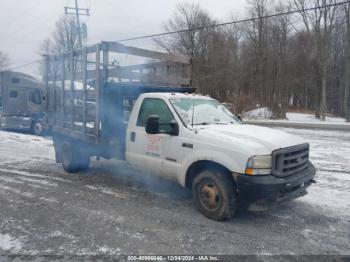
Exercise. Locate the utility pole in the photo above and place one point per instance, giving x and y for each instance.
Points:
(78, 12)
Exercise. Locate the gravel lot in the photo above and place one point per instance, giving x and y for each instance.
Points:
(113, 210)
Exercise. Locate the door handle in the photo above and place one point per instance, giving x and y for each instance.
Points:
(132, 136)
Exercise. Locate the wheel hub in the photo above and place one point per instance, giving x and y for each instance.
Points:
(38, 127)
(210, 196)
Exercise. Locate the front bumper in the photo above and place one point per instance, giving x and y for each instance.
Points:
(263, 192)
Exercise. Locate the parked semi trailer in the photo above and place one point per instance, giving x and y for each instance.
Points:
(22, 102)
(148, 115)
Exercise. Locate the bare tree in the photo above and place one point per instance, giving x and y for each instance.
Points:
(257, 34)
(346, 102)
(64, 39)
(234, 34)
(192, 43)
(4, 61)
(279, 33)
(319, 26)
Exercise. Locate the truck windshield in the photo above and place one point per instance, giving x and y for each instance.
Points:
(199, 111)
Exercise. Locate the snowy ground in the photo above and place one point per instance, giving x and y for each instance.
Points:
(299, 117)
(113, 210)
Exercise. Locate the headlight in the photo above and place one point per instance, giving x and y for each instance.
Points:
(259, 165)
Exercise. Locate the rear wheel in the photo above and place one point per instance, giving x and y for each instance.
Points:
(214, 194)
(74, 160)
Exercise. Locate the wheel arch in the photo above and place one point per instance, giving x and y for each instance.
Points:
(200, 165)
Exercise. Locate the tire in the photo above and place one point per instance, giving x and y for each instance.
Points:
(38, 128)
(73, 160)
(214, 194)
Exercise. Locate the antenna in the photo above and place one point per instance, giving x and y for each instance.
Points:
(193, 105)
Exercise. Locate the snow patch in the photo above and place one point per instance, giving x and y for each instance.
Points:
(22, 180)
(265, 113)
(299, 117)
(10, 180)
(27, 174)
(24, 194)
(24, 147)
(109, 251)
(36, 181)
(58, 233)
(49, 199)
(330, 154)
(327, 198)
(8, 243)
(108, 191)
(16, 191)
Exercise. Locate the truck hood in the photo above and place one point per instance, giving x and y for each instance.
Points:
(261, 140)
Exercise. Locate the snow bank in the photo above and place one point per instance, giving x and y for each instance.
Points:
(258, 114)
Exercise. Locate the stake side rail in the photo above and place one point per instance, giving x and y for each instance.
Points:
(76, 81)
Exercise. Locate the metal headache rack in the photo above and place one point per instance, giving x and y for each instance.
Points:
(86, 88)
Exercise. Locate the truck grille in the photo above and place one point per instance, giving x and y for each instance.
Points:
(291, 160)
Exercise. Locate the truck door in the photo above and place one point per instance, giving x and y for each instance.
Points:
(145, 151)
(34, 101)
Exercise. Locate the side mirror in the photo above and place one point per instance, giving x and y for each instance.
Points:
(174, 128)
(152, 125)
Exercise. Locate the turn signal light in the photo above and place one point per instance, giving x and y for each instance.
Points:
(249, 171)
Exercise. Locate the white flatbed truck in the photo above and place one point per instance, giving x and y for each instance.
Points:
(159, 125)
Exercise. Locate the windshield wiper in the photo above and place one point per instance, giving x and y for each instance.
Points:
(209, 123)
(202, 124)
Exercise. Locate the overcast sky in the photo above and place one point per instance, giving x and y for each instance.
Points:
(24, 24)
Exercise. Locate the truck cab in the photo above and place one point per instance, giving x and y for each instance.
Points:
(22, 102)
(195, 141)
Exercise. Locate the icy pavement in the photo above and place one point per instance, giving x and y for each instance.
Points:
(113, 210)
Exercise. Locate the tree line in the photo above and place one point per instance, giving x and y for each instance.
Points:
(300, 60)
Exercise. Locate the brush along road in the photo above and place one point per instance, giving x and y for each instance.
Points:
(112, 209)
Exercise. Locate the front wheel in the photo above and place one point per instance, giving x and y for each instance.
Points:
(215, 195)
